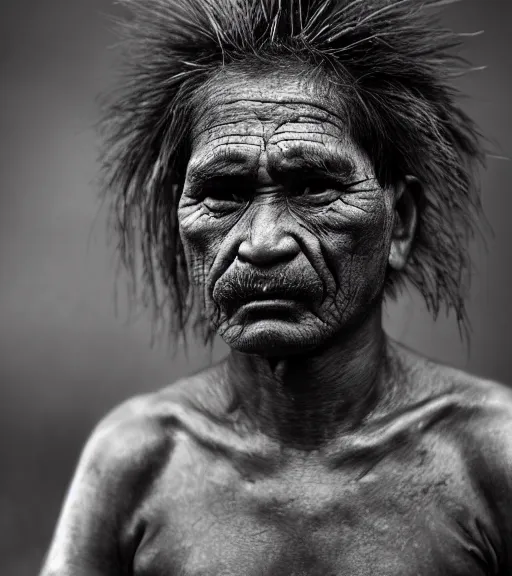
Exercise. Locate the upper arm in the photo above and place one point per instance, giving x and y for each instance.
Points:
(118, 459)
(492, 465)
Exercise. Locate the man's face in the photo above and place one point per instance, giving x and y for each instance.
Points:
(284, 225)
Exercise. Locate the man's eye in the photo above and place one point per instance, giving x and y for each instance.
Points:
(225, 196)
(313, 189)
(318, 192)
(323, 191)
(312, 186)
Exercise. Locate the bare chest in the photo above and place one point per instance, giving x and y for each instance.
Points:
(392, 519)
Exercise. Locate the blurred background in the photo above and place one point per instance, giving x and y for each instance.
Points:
(65, 357)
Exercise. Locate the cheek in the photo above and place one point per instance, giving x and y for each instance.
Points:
(203, 236)
(356, 228)
(355, 241)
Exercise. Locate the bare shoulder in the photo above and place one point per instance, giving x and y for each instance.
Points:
(126, 441)
(124, 455)
(485, 405)
(431, 378)
(478, 425)
(139, 434)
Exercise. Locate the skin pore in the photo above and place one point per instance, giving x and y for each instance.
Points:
(300, 235)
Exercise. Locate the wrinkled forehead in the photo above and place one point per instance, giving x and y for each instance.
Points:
(240, 101)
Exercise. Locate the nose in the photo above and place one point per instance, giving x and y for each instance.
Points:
(267, 243)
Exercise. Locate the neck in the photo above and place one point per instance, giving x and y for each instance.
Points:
(305, 400)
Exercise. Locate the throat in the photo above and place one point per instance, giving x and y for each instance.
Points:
(304, 401)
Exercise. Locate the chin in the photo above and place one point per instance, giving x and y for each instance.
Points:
(272, 338)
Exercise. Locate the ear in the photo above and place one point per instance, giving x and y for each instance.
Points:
(405, 214)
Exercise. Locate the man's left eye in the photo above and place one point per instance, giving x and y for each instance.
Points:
(318, 192)
(313, 190)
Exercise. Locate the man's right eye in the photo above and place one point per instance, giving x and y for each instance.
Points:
(225, 195)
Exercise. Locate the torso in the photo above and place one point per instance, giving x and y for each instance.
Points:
(399, 497)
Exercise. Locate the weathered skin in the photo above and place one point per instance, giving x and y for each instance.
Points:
(319, 446)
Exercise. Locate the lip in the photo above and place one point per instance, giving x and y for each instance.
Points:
(267, 303)
(272, 308)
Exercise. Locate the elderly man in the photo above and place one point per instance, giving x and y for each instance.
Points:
(286, 164)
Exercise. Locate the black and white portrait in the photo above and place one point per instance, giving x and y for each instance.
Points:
(255, 301)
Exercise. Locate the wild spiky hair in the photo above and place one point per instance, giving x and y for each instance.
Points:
(394, 63)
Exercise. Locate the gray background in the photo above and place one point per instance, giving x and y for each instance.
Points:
(65, 358)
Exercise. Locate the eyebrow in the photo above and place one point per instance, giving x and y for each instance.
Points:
(236, 162)
(322, 163)
(232, 161)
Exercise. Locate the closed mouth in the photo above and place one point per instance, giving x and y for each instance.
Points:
(275, 302)
(272, 308)
(274, 295)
